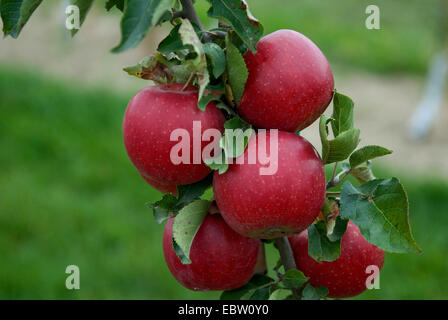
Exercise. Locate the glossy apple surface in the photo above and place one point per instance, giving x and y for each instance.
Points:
(290, 83)
(270, 206)
(221, 259)
(346, 276)
(152, 114)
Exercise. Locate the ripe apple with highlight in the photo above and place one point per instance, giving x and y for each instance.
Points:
(150, 118)
(221, 259)
(290, 83)
(269, 206)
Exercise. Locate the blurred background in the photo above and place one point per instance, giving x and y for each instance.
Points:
(69, 194)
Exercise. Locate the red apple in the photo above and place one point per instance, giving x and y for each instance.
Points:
(270, 206)
(346, 276)
(221, 259)
(150, 118)
(164, 188)
(290, 83)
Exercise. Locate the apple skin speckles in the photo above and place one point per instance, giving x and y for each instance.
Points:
(148, 122)
(290, 83)
(221, 259)
(270, 206)
(346, 276)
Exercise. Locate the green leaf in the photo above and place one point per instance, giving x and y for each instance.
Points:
(199, 64)
(258, 294)
(367, 153)
(217, 56)
(293, 278)
(186, 225)
(279, 263)
(156, 68)
(206, 99)
(314, 293)
(169, 206)
(172, 46)
(340, 147)
(233, 143)
(329, 208)
(237, 71)
(10, 13)
(236, 137)
(323, 132)
(237, 14)
(150, 68)
(236, 123)
(338, 230)
(258, 288)
(164, 208)
(323, 246)
(363, 173)
(84, 7)
(119, 4)
(190, 192)
(139, 17)
(280, 294)
(180, 253)
(15, 14)
(226, 108)
(236, 40)
(380, 209)
(342, 113)
(218, 163)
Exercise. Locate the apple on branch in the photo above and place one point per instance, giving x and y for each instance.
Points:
(221, 259)
(290, 83)
(345, 276)
(277, 203)
(151, 117)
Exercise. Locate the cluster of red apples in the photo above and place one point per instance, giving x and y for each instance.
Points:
(290, 84)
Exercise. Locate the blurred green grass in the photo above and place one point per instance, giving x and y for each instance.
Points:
(69, 195)
(408, 37)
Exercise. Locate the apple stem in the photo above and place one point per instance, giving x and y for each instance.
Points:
(334, 170)
(284, 248)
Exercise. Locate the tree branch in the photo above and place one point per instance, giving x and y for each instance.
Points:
(284, 248)
(189, 12)
(335, 181)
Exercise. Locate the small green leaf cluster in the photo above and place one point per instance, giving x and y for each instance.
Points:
(379, 207)
(291, 285)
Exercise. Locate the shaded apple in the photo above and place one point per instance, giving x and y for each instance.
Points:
(150, 118)
(221, 259)
(346, 276)
(164, 188)
(290, 83)
(270, 206)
